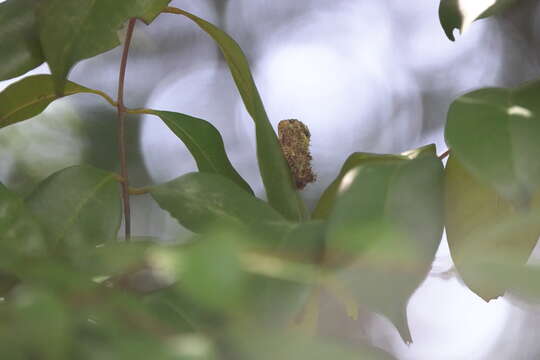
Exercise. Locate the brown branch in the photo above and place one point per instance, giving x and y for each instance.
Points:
(445, 154)
(122, 153)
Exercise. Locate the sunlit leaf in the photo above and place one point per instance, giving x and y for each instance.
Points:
(494, 133)
(483, 228)
(384, 231)
(71, 31)
(460, 14)
(328, 198)
(77, 206)
(275, 173)
(20, 50)
(201, 200)
(30, 96)
(204, 142)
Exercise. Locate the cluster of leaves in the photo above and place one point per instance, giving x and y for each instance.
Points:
(71, 289)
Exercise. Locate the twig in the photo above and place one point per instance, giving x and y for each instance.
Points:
(122, 131)
(444, 154)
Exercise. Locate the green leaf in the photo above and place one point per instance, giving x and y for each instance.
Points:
(201, 200)
(211, 272)
(20, 234)
(328, 198)
(289, 345)
(78, 207)
(494, 133)
(30, 96)
(484, 229)
(305, 242)
(460, 14)
(384, 231)
(71, 31)
(41, 324)
(20, 50)
(204, 142)
(275, 173)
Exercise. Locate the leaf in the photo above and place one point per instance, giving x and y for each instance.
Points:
(494, 133)
(30, 96)
(288, 345)
(199, 201)
(384, 231)
(204, 142)
(71, 31)
(211, 272)
(484, 229)
(20, 50)
(328, 198)
(78, 207)
(275, 173)
(305, 242)
(20, 234)
(460, 14)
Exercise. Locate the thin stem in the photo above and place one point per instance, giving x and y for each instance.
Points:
(122, 131)
(445, 154)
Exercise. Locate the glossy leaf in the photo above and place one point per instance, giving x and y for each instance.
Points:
(71, 31)
(460, 14)
(78, 207)
(483, 229)
(328, 198)
(204, 142)
(384, 231)
(494, 133)
(30, 96)
(200, 201)
(275, 173)
(20, 50)
(20, 234)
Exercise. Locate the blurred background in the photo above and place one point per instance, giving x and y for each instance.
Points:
(364, 75)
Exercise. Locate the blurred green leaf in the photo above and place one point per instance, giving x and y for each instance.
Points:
(71, 31)
(204, 142)
(304, 243)
(460, 14)
(201, 200)
(328, 198)
(20, 50)
(494, 133)
(275, 173)
(384, 231)
(78, 207)
(483, 228)
(292, 346)
(40, 324)
(211, 272)
(31, 95)
(20, 234)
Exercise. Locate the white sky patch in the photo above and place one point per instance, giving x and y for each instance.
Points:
(519, 111)
(471, 10)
